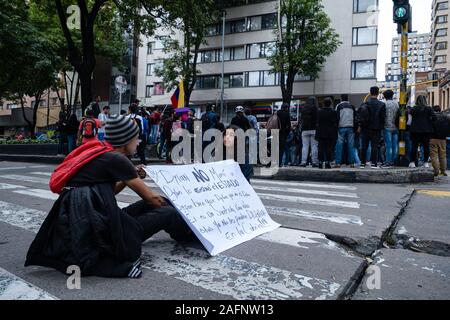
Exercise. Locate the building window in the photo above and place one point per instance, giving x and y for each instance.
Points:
(364, 69)
(209, 82)
(148, 91)
(441, 45)
(254, 23)
(441, 32)
(150, 47)
(442, 19)
(150, 69)
(364, 5)
(158, 89)
(235, 26)
(364, 36)
(260, 50)
(253, 79)
(441, 59)
(442, 6)
(233, 81)
(301, 77)
(269, 21)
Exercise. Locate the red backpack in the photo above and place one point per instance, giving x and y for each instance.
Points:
(89, 128)
(75, 161)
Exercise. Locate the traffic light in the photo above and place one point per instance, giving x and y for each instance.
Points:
(402, 11)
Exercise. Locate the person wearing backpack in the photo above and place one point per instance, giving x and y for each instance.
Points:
(86, 227)
(441, 130)
(309, 124)
(88, 129)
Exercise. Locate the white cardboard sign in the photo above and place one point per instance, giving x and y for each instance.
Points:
(216, 201)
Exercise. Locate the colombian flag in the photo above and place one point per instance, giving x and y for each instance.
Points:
(177, 98)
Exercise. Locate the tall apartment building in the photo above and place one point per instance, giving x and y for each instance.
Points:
(249, 39)
(419, 60)
(440, 53)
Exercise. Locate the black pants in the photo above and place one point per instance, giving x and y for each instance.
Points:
(165, 218)
(282, 144)
(422, 139)
(326, 147)
(373, 137)
(141, 151)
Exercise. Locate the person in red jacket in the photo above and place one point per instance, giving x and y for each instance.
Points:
(86, 227)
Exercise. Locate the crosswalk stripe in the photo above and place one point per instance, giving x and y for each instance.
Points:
(5, 186)
(314, 201)
(301, 184)
(15, 288)
(231, 276)
(316, 215)
(22, 178)
(196, 267)
(310, 191)
(47, 174)
(21, 167)
(46, 194)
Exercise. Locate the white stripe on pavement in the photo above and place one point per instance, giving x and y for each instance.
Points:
(310, 191)
(240, 279)
(26, 178)
(47, 174)
(315, 201)
(301, 184)
(16, 168)
(15, 288)
(5, 186)
(250, 280)
(317, 215)
(46, 194)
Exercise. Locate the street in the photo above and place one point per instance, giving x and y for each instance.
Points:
(333, 240)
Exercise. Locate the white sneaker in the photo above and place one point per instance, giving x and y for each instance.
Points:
(368, 164)
(426, 165)
(412, 165)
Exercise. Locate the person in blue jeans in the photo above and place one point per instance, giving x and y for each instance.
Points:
(346, 131)
(448, 153)
(391, 129)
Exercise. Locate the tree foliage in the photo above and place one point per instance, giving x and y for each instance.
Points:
(305, 40)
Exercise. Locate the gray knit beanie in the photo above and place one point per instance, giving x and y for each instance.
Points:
(120, 130)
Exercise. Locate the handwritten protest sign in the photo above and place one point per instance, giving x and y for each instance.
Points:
(216, 201)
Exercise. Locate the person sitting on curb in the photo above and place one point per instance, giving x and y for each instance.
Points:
(86, 227)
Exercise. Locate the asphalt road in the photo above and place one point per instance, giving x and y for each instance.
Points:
(330, 239)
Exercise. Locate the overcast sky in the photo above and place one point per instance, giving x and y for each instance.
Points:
(387, 29)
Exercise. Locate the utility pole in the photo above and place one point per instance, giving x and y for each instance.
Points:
(403, 18)
(222, 86)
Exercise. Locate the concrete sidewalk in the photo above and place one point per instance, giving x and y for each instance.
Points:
(344, 175)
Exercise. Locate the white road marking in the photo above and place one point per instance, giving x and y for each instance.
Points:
(22, 178)
(47, 174)
(240, 279)
(310, 191)
(315, 201)
(21, 167)
(222, 274)
(46, 194)
(5, 186)
(301, 184)
(317, 215)
(15, 288)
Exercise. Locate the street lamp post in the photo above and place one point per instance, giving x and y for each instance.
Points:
(222, 87)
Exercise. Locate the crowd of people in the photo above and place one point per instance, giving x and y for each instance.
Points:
(368, 136)
(329, 134)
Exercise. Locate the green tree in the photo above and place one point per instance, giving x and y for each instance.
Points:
(305, 40)
(191, 18)
(102, 28)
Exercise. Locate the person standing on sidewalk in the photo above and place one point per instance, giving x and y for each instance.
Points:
(155, 120)
(391, 129)
(103, 117)
(88, 129)
(72, 130)
(285, 128)
(309, 124)
(133, 114)
(423, 117)
(326, 133)
(438, 142)
(373, 117)
(346, 133)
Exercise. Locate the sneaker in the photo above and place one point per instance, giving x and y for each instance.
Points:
(361, 166)
(412, 165)
(386, 166)
(315, 165)
(374, 166)
(303, 165)
(444, 174)
(426, 165)
(327, 165)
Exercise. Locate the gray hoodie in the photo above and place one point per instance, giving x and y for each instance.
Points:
(391, 114)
